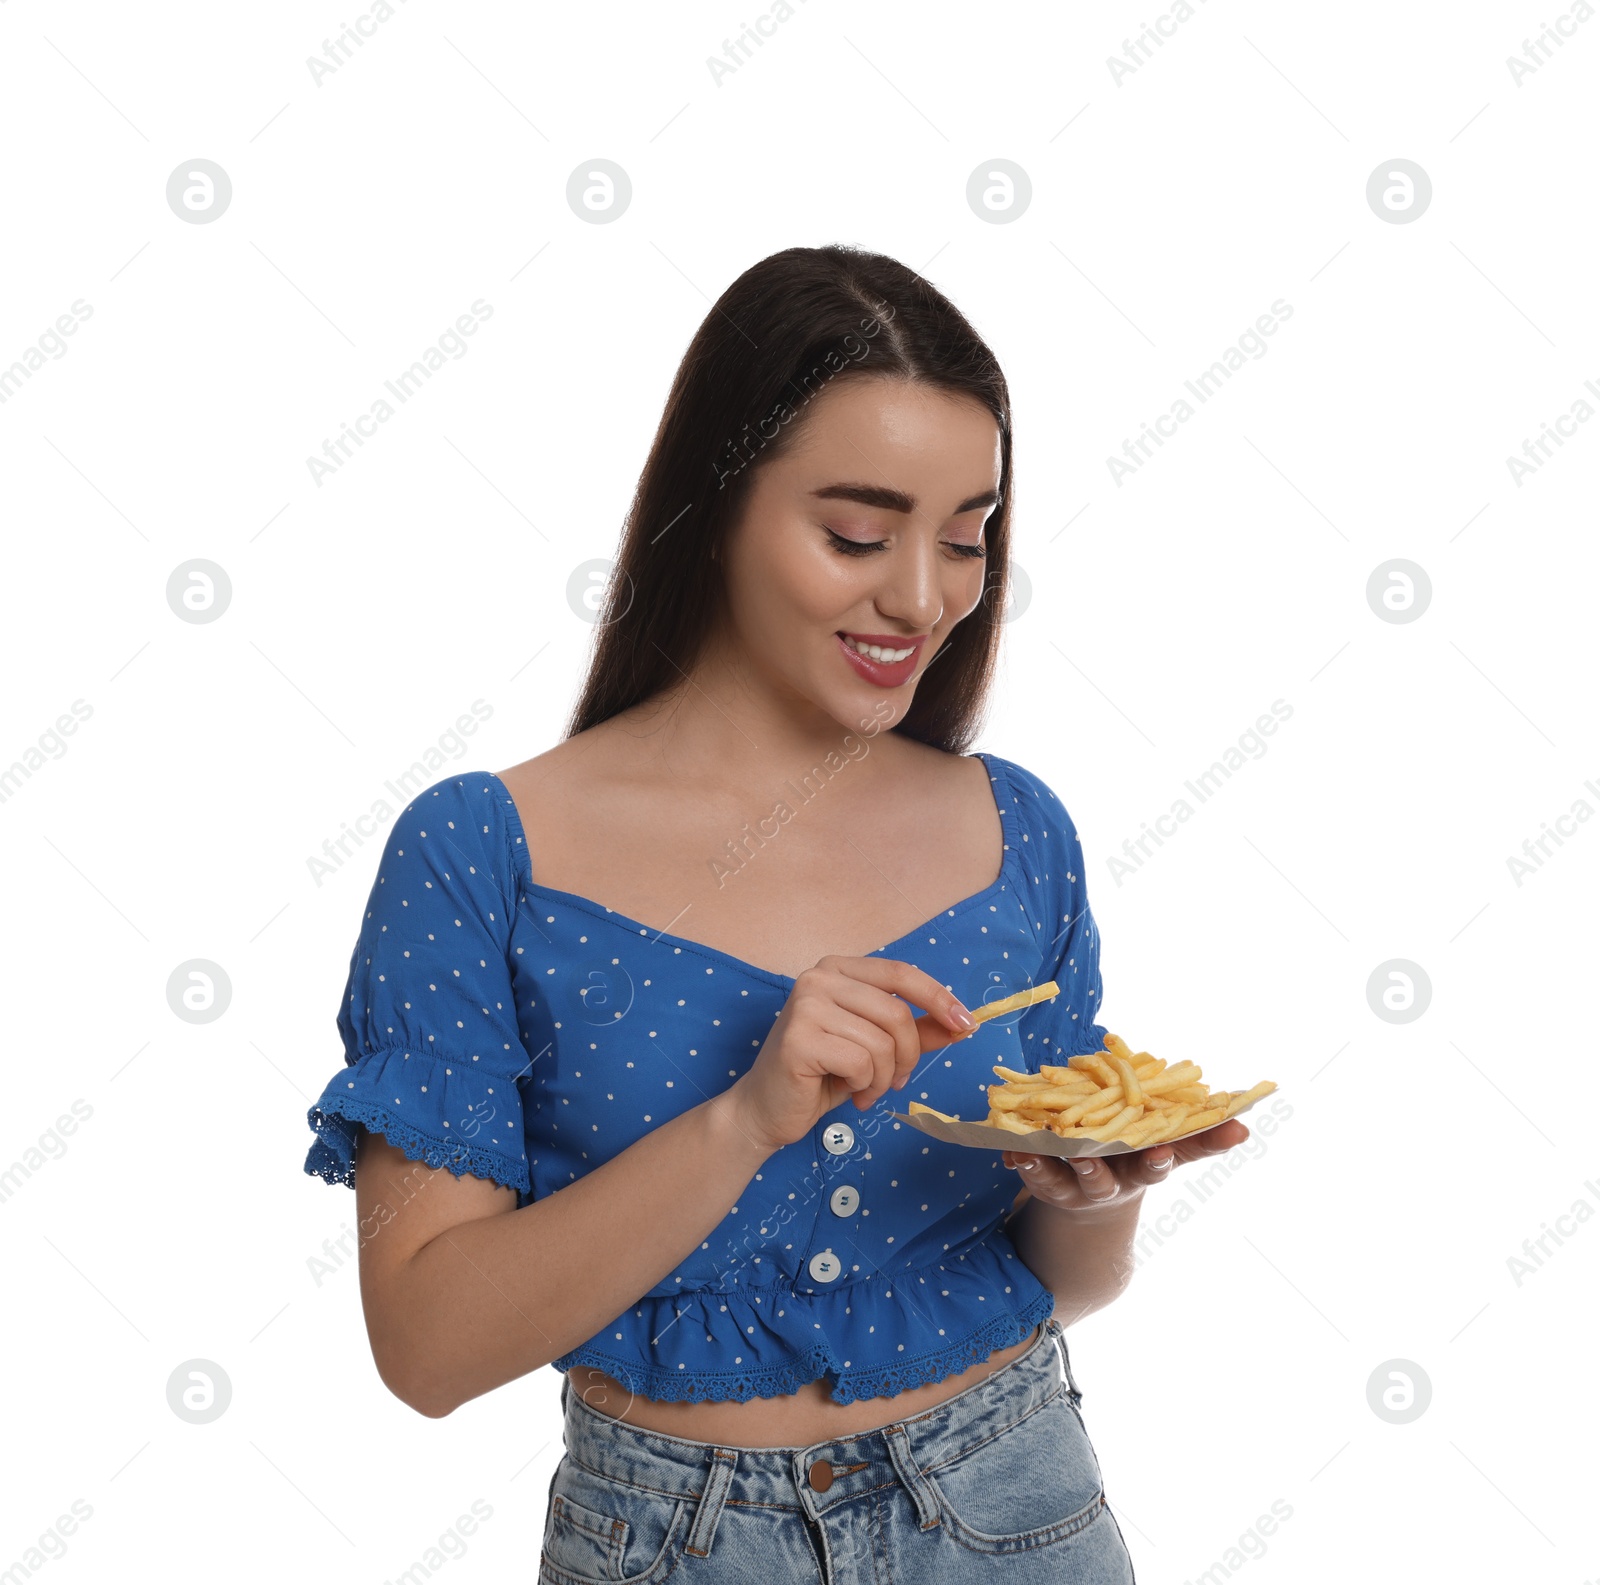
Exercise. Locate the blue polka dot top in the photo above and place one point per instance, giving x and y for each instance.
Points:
(501, 1028)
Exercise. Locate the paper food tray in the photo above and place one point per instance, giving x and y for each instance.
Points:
(1041, 1142)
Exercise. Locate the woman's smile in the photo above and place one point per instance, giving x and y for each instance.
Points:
(881, 658)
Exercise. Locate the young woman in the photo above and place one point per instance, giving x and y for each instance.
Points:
(623, 1021)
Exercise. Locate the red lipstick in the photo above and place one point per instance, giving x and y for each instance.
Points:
(882, 674)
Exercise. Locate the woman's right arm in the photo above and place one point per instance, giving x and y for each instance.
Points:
(463, 1291)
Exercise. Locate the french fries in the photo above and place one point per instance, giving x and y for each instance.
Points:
(1116, 1095)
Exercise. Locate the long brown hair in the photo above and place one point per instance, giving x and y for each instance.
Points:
(779, 334)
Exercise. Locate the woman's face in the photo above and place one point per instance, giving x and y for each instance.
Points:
(867, 532)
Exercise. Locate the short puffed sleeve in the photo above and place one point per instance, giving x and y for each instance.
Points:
(1057, 900)
(433, 1059)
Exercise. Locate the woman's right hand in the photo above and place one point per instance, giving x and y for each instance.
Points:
(846, 1029)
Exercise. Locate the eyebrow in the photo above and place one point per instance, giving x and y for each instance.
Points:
(896, 500)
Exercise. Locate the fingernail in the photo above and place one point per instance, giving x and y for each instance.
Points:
(964, 1019)
(1030, 1166)
(1161, 1166)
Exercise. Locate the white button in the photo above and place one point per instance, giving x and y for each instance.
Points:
(838, 1138)
(845, 1199)
(826, 1266)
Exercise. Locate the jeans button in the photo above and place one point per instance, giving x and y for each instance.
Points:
(820, 1474)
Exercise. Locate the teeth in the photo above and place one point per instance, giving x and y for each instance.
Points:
(877, 652)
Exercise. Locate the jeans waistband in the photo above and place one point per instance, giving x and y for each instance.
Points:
(846, 1467)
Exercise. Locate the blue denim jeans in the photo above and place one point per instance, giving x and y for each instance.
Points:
(1001, 1471)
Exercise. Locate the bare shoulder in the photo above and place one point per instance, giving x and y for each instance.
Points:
(567, 766)
(949, 795)
(594, 780)
(958, 782)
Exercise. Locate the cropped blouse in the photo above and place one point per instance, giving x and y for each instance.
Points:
(498, 1027)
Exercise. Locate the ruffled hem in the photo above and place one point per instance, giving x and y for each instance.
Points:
(371, 1094)
(871, 1325)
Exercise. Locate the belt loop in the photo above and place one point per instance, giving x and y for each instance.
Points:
(724, 1460)
(1066, 1363)
(914, 1480)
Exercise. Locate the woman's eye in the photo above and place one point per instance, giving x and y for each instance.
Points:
(856, 547)
(853, 547)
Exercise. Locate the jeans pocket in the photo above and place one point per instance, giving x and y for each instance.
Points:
(1035, 1483)
(606, 1532)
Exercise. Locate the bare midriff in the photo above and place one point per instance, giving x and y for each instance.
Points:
(796, 1419)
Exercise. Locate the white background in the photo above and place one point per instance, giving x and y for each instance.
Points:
(1167, 612)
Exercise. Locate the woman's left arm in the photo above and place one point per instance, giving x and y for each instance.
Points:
(1076, 1227)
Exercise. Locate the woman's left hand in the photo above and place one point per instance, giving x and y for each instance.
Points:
(1089, 1183)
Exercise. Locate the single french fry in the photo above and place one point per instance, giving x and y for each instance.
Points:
(1118, 1047)
(1008, 1100)
(1100, 1111)
(1006, 1121)
(1245, 1097)
(1198, 1120)
(1173, 1078)
(1109, 1130)
(1140, 1131)
(1173, 1123)
(1094, 1067)
(1077, 1113)
(1010, 1004)
(1130, 1081)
